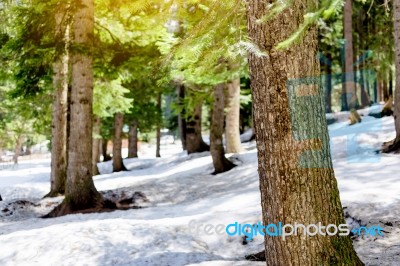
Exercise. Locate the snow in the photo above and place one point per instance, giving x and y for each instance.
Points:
(181, 190)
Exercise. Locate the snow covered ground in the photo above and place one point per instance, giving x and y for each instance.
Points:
(181, 191)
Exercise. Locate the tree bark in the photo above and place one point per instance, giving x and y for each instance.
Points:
(297, 180)
(181, 117)
(221, 163)
(232, 131)
(194, 140)
(118, 164)
(59, 156)
(96, 145)
(349, 88)
(394, 146)
(80, 193)
(328, 83)
(133, 140)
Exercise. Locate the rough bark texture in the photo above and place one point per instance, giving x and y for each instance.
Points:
(349, 96)
(194, 140)
(394, 146)
(181, 117)
(297, 180)
(80, 192)
(232, 131)
(221, 163)
(59, 157)
(133, 140)
(118, 164)
(96, 145)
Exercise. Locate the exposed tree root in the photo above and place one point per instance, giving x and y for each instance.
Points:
(391, 146)
(260, 256)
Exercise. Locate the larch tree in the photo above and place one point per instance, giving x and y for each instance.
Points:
(80, 192)
(297, 180)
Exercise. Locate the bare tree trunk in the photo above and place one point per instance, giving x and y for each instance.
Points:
(297, 180)
(118, 164)
(18, 147)
(96, 144)
(394, 146)
(221, 163)
(349, 88)
(104, 150)
(133, 140)
(158, 137)
(328, 83)
(181, 117)
(59, 156)
(80, 192)
(194, 140)
(232, 131)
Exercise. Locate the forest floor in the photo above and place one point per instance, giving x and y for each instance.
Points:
(180, 189)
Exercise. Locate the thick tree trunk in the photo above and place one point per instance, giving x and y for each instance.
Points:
(158, 133)
(221, 163)
(80, 193)
(18, 146)
(394, 146)
(96, 145)
(194, 140)
(297, 180)
(118, 164)
(181, 117)
(133, 140)
(232, 131)
(59, 157)
(349, 88)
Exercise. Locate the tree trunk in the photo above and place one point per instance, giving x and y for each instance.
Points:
(221, 163)
(390, 83)
(158, 134)
(80, 193)
(297, 180)
(181, 117)
(18, 146)
(349, 88)
(133, 140)
(232, 131)
(118, 164)
(104, 150)
(328, 83)
(59, 157)
(394, 146)
(385, 90)
(194, 140)
(96, 145)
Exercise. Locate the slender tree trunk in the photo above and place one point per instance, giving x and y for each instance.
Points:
(80, 192)
(297, 180)
(96, 144)
(232, 131)
(394, 146)
(118, 164)
(181, 117)
(158, 134)
(349, 89)
(133, 140)
(328, 83)
(59, 156)
(221, 163)
(390, 83)
(385, 90)
(18, 147)
(194, 140)
(365, 101)
(104, 150)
